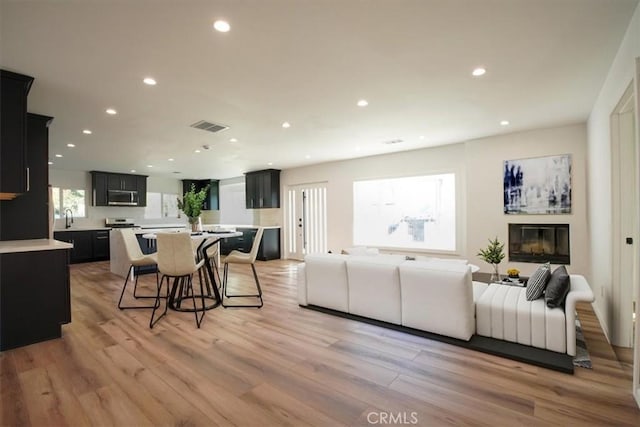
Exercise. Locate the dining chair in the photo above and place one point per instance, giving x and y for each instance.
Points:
(136, 259)
(176, 261)
(237, 257)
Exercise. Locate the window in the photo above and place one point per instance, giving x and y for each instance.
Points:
(161, 205)
(64, 199)
(411, 213)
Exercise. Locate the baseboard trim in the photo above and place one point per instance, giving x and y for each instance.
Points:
(535, 356)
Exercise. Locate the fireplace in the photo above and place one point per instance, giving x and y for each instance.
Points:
(539, 243)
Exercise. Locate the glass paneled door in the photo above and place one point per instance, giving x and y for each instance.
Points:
(306, 220)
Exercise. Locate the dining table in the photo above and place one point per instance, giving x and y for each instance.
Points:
(206, 241)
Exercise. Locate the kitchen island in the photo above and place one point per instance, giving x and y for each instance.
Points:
(34, 291)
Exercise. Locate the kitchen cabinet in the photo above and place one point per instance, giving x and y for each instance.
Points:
(88, 245)
(262, 189)
(103, 182)
(269, 246)
(99, 189)
(212, 201)
(100, 245)
(34, 296)
(14, 169)
(27, 216)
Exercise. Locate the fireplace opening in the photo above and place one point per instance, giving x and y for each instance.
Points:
(539, 243)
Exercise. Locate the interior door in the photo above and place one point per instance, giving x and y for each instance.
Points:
(624, 219)
(306, 220)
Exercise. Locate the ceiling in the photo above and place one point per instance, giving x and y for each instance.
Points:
(305, 62)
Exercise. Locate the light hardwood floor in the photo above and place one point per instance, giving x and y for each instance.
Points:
(285, 365)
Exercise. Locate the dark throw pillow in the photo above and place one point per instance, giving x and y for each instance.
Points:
(557, 288)
(538, 282)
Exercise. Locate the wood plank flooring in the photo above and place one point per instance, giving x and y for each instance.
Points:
(285, 365)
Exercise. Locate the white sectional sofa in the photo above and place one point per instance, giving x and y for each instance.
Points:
(437, 296)
(434, 296)
(503, 312)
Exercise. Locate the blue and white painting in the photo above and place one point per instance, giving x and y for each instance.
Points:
(539, 185)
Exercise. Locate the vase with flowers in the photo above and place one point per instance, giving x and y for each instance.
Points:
(191, 204)
(493, 254)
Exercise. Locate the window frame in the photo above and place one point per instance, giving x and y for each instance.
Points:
(459, 207)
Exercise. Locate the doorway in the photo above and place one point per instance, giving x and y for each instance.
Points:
(306, 220)
(624, 219)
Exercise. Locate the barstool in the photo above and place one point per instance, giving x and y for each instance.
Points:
(176, 260)
(237, 257)
(136, 259)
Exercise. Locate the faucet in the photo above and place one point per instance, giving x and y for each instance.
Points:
(68, 218)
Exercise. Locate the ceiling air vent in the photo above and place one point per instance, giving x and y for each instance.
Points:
(208, 126)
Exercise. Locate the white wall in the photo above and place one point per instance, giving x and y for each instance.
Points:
(620, 74)
(478, 165)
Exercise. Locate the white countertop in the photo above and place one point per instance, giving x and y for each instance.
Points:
(208, 226)
(32, 245)
(88, 228)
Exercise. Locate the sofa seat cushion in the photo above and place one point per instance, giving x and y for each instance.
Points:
(503, 312)
(437, 298)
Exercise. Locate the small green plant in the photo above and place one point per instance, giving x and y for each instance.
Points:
(493, 254)
(192, 202)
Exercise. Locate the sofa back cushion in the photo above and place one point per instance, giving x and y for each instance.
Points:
(374, 287)
(437, 298)
(326, 281)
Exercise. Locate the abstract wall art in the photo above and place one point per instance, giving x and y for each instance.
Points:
(539, 185)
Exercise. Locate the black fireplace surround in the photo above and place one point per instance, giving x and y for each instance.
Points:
(539, 243)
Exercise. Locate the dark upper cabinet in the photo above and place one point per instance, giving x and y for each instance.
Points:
(141, 186)
(212, 201)
(103, 182)
(27, 216)
(262, 189)
(99, 189)
(14, 171)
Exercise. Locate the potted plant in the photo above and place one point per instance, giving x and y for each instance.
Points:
(191, 204)
(493, 254)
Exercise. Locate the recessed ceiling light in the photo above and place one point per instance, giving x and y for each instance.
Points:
(270, 164)
(149, 81)
(149, 166)
(357, 148)
(111, 111)
(307, 156)
(421, 136)
(286, 125)
(87, 132)
(133, 171)
(362, 103)
(50, 162)
(222, 26)
(233, 140)
(478, 72)
(196, 151)
(504, 123)
(171, 159)
(71, 145)
(58, 155)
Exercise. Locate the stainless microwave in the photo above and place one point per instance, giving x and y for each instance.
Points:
(122, 198)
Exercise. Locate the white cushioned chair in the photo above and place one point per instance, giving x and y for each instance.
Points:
(176, 261)
(237, 257)
(136, 259)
